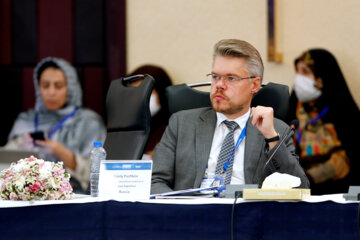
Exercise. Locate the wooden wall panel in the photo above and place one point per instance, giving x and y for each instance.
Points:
(116, 39)
(93, 89)
(55, 29)
(28, 90)
(5, 32)
(89, 41)
(24, 32)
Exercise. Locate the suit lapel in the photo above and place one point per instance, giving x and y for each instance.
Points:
(253, 145)
(203, 140)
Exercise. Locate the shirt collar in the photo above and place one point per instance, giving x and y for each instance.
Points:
(241, 121)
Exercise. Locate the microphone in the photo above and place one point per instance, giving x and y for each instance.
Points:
(293, 126)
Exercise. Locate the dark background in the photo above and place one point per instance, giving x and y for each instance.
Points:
(90, 34)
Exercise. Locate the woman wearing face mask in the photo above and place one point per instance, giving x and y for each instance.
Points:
(327, 135)
(63, 123)
(158, 105)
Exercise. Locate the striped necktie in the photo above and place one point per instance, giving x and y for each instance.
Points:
(227, 148)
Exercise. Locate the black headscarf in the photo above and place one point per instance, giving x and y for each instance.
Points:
(160, 120)
(343, 111)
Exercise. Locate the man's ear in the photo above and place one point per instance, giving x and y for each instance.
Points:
(256, 84)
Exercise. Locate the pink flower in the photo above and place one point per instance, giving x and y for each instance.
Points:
(13, 196)
(30, 159)
(35, 187)
(26, 172)
(59, 172)
(51, 196)
(41, 164)
(8, 177)
(65, 187)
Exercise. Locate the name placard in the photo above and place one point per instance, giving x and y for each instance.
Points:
(125, 179)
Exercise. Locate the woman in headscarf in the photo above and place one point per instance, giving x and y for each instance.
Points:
(68, 129)
(158, 105)
(327, 136)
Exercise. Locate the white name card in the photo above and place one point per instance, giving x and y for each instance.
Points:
(125, 179)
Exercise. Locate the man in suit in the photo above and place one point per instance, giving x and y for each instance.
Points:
(230, 141)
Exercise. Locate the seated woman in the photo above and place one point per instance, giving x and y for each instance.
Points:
(69, 129)
(328, 116)
(158, 105)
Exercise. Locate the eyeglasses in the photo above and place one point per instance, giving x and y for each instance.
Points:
(228, 79)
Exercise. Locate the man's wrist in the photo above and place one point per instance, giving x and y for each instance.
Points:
(273, 139)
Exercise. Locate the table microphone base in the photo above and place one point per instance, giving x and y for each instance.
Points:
(230, 190)
(353, 194)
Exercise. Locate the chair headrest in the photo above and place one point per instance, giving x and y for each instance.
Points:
(127, 106)
(182, 97)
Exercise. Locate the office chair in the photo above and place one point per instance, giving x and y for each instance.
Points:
(183, 96)
(128, 117)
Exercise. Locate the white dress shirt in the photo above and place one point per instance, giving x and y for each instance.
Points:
(219, 135)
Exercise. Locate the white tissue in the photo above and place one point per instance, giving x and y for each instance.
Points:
(281, 181)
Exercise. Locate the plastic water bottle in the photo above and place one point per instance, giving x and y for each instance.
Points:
(97, 154)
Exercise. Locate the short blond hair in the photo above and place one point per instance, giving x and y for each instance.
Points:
(241, 49)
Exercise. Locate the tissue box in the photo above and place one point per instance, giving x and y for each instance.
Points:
(276, 194)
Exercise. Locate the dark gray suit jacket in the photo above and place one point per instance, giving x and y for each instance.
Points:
(181, 157)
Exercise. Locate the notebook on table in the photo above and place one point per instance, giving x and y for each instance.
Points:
(7, 156)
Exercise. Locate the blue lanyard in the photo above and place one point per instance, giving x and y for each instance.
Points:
(321, 114)
(58, 126)
(240, 139)
(312, 121)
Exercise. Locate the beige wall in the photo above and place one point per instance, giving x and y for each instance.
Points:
(179, 34)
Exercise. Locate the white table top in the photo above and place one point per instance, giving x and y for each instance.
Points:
(338, 198)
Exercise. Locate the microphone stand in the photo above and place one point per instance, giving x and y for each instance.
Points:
(293, 126)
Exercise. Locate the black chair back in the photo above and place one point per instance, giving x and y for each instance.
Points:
(182, 97)
(128, 117)
(273, 95)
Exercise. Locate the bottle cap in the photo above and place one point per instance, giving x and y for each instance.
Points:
(97, 144)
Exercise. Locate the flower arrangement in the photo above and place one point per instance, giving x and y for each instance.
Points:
(35, 179)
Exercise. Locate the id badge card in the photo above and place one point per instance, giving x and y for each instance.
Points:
(212, 182)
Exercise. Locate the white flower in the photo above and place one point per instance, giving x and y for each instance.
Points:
(45, 170)
(18, 168)
(20, 182)
(31, 179)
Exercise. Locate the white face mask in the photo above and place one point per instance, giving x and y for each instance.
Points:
(154, 106)
(305, 89)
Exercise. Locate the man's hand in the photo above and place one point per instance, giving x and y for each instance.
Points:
(263, 119)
